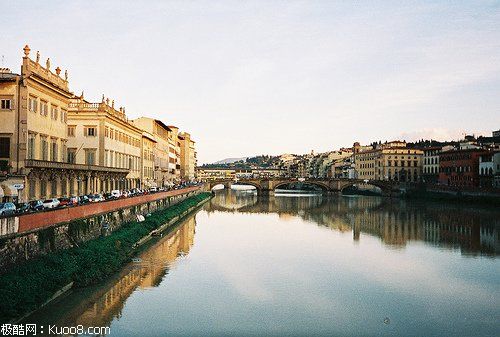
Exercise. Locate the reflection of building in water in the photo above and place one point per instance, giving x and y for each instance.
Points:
(149, 272)
(394, 221)
(394, 228)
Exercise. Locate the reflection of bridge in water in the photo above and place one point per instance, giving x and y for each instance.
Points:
(395, 222)
(268, 186)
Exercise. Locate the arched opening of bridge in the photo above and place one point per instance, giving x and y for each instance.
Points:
(218, 187)
(297, 187)
(243, 187)
(362, 189)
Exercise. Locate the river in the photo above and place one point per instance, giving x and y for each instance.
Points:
(304, 265)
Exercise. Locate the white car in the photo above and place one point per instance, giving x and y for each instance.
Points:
(116, 194)
(51, 203)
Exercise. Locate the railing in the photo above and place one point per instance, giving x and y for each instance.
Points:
(84, 106)
(70, 166)
(47, 75)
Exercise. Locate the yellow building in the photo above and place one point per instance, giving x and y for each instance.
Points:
(160, 134)
(33, 137)
(389, 163)
(101, 136)
(148, 160)
(174, 153)
(188, 156)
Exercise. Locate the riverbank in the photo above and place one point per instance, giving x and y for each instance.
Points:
(35, 282)
(453, 196)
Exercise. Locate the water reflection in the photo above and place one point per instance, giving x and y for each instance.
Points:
(396, 222)
(101, 305)
(315, 265)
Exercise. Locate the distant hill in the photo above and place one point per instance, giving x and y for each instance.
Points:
(230, 160)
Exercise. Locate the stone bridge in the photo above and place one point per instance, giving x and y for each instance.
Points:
(267, 186)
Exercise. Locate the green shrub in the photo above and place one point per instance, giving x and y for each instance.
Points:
(29, 285)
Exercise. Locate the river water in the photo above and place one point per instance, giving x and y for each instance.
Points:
(304, 265)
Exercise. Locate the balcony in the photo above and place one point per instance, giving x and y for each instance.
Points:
(34, 163)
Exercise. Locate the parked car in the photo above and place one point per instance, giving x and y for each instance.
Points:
(63, 202)
(96, 197)
(153, 190)
(23, 207)
(108, 196)
(83, 199)
(116, 194)
(51, 203)
(36, 205)
(74, 200)
(7, 208)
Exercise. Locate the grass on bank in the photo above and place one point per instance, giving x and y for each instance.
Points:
(26, 287)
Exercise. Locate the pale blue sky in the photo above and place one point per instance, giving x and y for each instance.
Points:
(276, 77)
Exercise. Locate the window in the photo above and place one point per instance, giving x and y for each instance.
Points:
(43, 188)
(53, 187)
(63, 187)
(90, 131)
(32, 188)
(44, 148)
(33, 104)
(64, 151)
(53, 150)
(5, 104)
(71, 155)
(71, 130)
(4, 147)
(44, 108)
(53, 112)
(31, 146)
(64, 116)
(90, 156)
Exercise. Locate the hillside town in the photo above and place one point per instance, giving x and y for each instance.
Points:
(54, 143)
(473, 162)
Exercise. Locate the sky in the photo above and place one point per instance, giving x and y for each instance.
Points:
(270, 77)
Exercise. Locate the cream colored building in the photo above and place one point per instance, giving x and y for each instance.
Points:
(174, 153)
(160, 133)
(148, 160)
(389, 163)
(100, 135)
(33, 136)
(188, 156)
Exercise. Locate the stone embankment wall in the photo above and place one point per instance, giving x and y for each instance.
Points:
(36, 234)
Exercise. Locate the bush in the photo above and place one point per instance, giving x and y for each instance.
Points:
(31, 284)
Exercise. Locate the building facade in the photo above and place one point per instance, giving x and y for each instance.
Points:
(389, 163)
(100, 135)
(174, 154)
(33, 136)
(148, 160)
(188, 156)
(160, 131)
(460, 168)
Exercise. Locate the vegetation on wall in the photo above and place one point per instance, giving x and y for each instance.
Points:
(31, 284)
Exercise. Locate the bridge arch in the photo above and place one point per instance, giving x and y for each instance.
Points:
(324, 187)
(255, 184)
(228, 183)
(385, 187)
